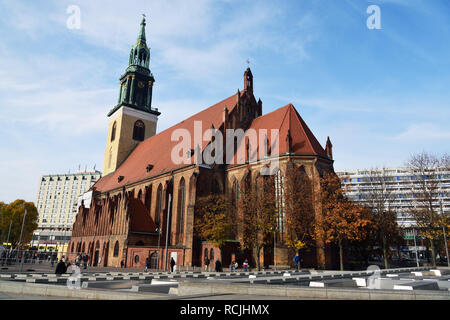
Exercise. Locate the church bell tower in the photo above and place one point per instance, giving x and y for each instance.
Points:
(133, 119)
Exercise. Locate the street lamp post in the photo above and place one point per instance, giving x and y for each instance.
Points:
(20, 242)
(445, 237)
(415, 247)
(275, 247)
(9, 232)
(159, 241)
(169, 211)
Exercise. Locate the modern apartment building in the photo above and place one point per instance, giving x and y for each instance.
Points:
(57, 206)
(399, 182)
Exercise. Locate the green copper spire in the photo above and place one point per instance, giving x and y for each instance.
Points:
(141, 35)
(140, 53)
(136, 85)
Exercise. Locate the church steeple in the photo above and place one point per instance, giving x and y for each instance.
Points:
(136, 85)
(141, 35)
(133, 119)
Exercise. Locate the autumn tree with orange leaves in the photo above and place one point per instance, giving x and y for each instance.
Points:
(298, 209)
(214, 223)
(258, 215)
(341, 221)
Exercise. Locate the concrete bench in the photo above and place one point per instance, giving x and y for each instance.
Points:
(37, 280)
(417, 285)
(348, 283)
(154, 288)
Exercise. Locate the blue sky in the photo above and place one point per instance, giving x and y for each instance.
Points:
(380, 95)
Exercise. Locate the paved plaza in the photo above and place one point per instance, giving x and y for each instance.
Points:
(418, 283)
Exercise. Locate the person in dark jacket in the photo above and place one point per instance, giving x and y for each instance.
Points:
(147, 264)
(172, 264)
(60, 268)
(85, 261)
(218, 266)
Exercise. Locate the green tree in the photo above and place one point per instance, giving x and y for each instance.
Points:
(15, 212)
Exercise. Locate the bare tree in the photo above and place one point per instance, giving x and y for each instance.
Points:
(425, 169)
(379, 198)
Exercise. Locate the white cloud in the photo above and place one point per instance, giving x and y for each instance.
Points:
(423, 132)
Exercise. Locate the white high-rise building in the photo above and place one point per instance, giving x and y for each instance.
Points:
(398, 181)
(57, 206)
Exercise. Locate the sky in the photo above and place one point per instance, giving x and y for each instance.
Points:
(379, 94)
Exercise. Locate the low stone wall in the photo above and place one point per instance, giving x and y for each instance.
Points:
(212, 288)
(65, 292)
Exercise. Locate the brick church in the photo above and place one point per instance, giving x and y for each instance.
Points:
(144, 205)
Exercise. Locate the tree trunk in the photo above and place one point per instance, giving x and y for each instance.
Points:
(341, 255)
(386, 265)
(433, 253)
(258, 260)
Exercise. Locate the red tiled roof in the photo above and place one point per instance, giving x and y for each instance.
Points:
(157, 149)
(284, 119)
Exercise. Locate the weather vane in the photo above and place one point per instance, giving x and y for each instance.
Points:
(248, 62)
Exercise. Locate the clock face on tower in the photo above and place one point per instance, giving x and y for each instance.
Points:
(141, 84)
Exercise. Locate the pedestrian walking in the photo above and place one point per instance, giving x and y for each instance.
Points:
(206, 263)
(172, 264)
(147, 264)
(85, 261)
(297, 261)
(60, 267)
(218, 266)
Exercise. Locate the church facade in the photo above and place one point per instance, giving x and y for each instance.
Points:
(144, 205)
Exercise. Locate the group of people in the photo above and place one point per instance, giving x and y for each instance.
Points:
(217, 267)
(82, 258)
(172, 264)
(234, 265)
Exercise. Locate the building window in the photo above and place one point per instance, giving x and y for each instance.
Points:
(113, 132)
(181, 205)
(116, 249)
(235, 193)
(139, 131)
(279, 192)
(159, 197)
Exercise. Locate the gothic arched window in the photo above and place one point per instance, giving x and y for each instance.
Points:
(279, 193)
(159, 199)
(235, 193)
(181, 204)
(116, 249)
(139, 131)
(113, 131)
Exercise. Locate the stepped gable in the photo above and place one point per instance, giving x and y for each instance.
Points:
(157, 149)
